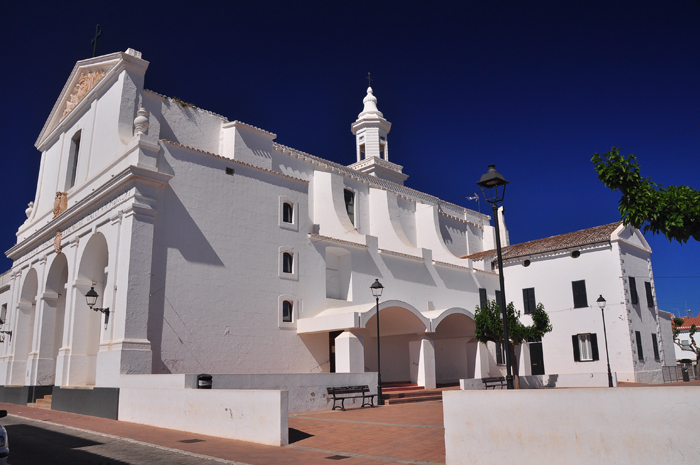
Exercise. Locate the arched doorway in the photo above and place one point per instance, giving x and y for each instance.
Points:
(455, 347)
(24, 332)
(87, 323)
(53, 318)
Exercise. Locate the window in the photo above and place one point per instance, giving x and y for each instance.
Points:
(655, 344)
(499, 294)
(287, 263)
(287, 311)
(73, 160)
(580, 299)
(287, 212)
(686, 344)
(650, 296)
(483, 298)
(585, 347)
(529, 300)
(229, 171)
(3, 314)
(350, 205)
(500, 359)
(640, 350)
(633, 291)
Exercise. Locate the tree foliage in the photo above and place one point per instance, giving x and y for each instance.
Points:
(489, 326)
(677, 323)
(673, 211)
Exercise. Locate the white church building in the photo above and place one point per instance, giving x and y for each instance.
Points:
(217, 250)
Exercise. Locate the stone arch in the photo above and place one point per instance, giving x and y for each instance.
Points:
(400, 325)
(53, 318)
(24, 327)
(455, 347)
(85, 344)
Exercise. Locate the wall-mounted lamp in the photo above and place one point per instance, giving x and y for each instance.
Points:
(91, 298)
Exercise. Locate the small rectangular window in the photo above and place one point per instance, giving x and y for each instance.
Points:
(499, 296)
(529, 300)
(580, 298)
(640, 350)
(483, 298)
(500, 359)
(229, 171)
(655, 345)
(287, 212)
(585, 347)
(650, 296)
(633, 291)
(287, 263)
(3, 314)
(350, 205)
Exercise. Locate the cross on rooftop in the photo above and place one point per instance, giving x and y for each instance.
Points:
(369, 80)
(93, 42)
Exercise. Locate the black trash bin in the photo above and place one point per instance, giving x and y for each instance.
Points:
(203, 381)
(686, 376)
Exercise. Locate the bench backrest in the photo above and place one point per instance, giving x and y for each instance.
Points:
(348, 389)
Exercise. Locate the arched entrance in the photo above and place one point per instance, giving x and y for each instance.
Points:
(53, 318)
(455, 348)
(87, 323)
(24, 332)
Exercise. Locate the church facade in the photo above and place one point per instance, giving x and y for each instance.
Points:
(213, 248)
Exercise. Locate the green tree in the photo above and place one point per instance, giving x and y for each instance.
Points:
(489, 326)
(677, 323)
(673, 211)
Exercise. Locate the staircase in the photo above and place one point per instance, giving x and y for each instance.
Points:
(404, 393)
(44, 403)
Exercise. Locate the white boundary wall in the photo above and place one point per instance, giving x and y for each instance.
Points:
(259, 416)
(549, 381)
(307, 391)
(620, 426)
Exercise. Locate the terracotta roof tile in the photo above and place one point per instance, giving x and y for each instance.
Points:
(688, 322)
(549, 244)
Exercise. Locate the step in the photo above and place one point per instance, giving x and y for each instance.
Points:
(37, 405)
(402, 388)
(407, 400)
(406, 394)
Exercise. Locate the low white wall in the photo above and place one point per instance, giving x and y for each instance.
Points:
(307, 391)
(548, 381)
(259, 416)
(573, 426)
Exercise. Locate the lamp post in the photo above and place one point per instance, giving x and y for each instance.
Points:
(493, 186)
(377, 289)
(601, 304)
(91, 298)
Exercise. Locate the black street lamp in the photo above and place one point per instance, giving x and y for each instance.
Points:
(377, 289)
(601, 304)
(493, 186)
(91, 298)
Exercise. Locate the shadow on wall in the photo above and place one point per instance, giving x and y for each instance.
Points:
(537, 382)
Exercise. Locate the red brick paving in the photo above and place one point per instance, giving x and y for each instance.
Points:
(410, 433)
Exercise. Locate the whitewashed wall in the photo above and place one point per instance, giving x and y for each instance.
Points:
(246, 415)
(649, 425)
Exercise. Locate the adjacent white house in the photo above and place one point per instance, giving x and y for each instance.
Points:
(568, 273)
(685, 351)
(213, 248)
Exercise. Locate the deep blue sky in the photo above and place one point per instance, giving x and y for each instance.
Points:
(535, 87)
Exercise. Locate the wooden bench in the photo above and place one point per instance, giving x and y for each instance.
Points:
(493, 382)
(340, 393)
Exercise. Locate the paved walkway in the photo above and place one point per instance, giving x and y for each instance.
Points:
(409, 433)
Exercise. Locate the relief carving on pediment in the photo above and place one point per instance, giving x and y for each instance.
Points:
(60, 203)
(86, 82)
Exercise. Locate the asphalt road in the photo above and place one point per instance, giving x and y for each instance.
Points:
(35, 442)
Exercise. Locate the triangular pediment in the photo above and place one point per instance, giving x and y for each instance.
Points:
(631, 236)
(84, 82)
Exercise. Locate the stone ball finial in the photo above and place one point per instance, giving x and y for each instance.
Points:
(141, 121)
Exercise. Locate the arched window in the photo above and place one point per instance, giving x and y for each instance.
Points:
(73, 160)
(287, 311)
(350, 205)
(287, 262)
(287, 213)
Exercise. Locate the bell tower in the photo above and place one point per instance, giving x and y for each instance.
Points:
(371, 144)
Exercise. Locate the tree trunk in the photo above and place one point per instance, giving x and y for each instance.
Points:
(514, 365)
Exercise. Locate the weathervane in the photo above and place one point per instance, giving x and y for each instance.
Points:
(369, 80)
(93, 42)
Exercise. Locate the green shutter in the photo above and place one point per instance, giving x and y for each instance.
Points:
(577, 353)
(594, 346)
